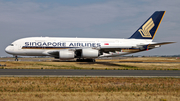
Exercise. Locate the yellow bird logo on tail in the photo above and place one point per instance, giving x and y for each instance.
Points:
(146, 28)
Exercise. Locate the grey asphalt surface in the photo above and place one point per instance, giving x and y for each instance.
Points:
(101, 73)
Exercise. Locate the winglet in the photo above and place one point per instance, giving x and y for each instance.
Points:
(149, 27)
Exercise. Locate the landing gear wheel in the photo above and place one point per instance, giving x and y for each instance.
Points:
(16, 58)
(78, 60)
(85, 60)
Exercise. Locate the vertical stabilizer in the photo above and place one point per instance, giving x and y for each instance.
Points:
(150, 26)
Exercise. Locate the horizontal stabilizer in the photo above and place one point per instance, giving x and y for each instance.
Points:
(153, 45)
(161, 43)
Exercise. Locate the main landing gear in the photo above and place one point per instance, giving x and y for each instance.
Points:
(16, 58)
(85, 60)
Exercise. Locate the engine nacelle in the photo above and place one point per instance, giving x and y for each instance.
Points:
(90, 53)
(66, 54)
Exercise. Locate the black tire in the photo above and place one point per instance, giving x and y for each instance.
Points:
(85, 60)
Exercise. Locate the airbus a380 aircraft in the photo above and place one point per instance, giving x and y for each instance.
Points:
(87, 49)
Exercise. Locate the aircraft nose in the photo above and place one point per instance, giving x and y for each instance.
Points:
(7, 49)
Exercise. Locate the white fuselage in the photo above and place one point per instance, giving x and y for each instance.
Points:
(40, 46)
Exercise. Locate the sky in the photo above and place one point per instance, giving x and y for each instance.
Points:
(88, 18)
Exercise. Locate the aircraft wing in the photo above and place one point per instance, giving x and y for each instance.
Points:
(138, 48)
(142, 47)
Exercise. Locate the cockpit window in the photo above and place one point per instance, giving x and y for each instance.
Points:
(11, 44)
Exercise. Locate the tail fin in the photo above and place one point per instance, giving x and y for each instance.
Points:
(149, 28)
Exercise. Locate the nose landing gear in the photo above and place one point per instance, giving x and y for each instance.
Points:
(16, 58)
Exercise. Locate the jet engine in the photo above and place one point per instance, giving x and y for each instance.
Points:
(90, 53)
(66, 54)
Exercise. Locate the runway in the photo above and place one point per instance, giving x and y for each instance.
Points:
(87, 73)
